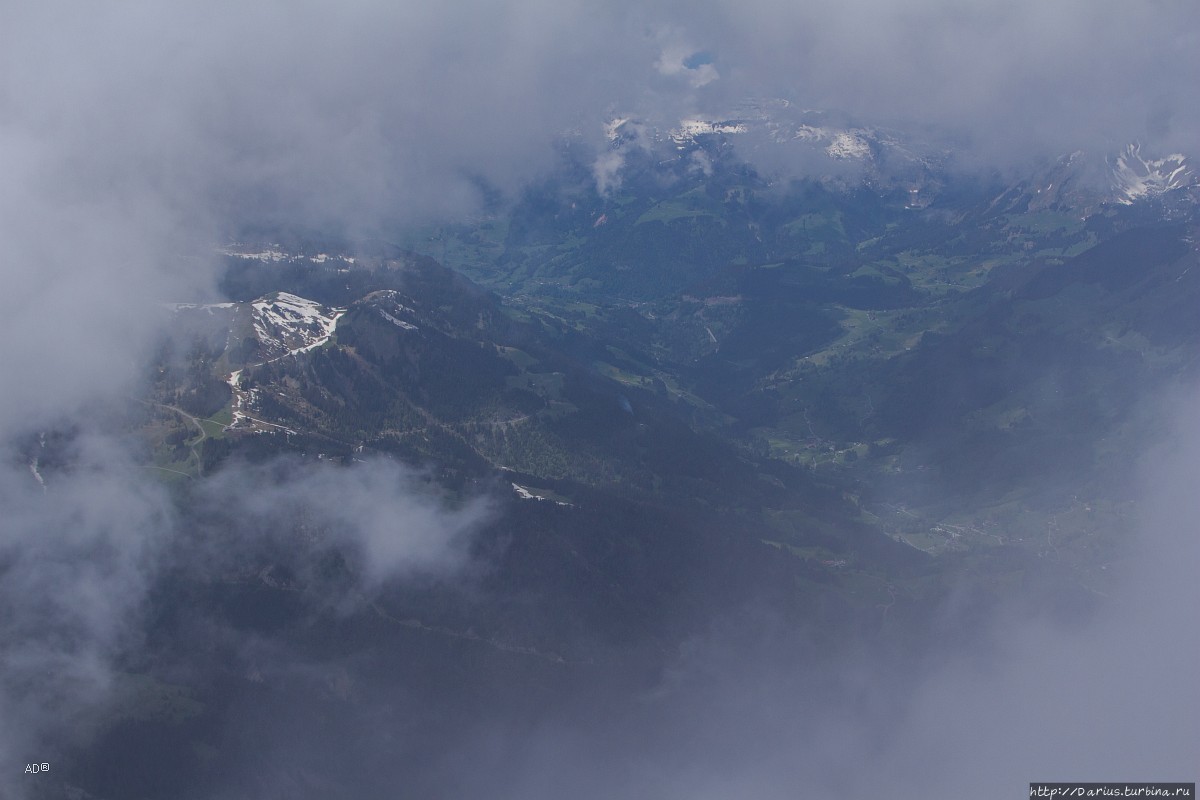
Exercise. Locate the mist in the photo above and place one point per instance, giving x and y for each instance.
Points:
(75, 566)
(979, 696)
(389, 520)
(976, 700)
(136, 138)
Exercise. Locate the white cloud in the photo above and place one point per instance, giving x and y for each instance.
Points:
(606, 170)
(673, 62)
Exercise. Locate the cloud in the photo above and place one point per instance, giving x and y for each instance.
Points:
(80, 557)
(203, 118)
(390, 520)
(134, 136)
(680, 59)
(606, 170)
(75, 561)
(972, 699)
(1013, 77)
(1111, 699)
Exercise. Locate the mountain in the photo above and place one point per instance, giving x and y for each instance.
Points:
(1084, 184)
(845, 154)
(617, 529)
(835, 135)
(1135, 177)
(285, 324)
(802, 418)
(844, 328)
(440, 370)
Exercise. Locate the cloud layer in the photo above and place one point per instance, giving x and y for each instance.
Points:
(969, 705)
(133, 136)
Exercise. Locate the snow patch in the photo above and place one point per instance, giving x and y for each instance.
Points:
(330, 325)
(272, 253)
(525, 494)
(239, 398)
(689, 129)
(847, 145)
(612, 128)
(293, 324)
(399, 323)
(260, 255)
(285, 325)
(809, 133)
(33, 467)
(1135, 177)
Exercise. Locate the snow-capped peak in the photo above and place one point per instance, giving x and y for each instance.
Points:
(287, 324)
(1135, 177)
(612, 128)
(847, 144)
(689, 129)
(274, 253)
(781, 124)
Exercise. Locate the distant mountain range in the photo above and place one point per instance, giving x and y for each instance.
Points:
(841, 403)
(889, 157)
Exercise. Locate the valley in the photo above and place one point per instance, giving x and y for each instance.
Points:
(694, 396)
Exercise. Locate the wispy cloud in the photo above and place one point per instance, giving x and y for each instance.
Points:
(133, 135)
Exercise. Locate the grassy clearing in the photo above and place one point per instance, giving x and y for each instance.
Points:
(672, 211)
(688, 205)
(1046, 222)
(547, 384)
(212, 428)
(519, 357)
(810, 225)
(618, 374)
